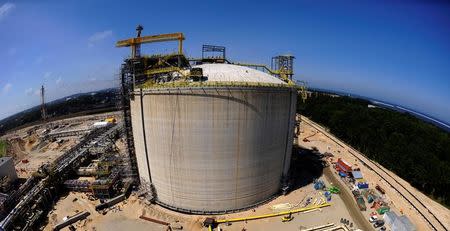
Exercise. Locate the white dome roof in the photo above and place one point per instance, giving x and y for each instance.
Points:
(235, 73)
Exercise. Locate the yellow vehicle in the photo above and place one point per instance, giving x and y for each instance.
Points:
(110, 120)
(287, 218)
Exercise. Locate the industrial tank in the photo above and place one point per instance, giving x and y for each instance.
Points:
(219, 146)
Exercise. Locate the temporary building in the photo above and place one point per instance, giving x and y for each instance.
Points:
(389, 217)
(403, 224)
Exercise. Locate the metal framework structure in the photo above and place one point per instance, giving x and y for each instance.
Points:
(104, 188)
(32, 201)
(212, 51)
(127, 78)
(284, 64)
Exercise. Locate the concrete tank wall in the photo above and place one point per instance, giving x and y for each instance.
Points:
(213, 149)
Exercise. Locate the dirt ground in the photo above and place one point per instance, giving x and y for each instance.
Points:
(30, 150)
(125, 215)
(331, 214)
(397, 203)
(122, 217)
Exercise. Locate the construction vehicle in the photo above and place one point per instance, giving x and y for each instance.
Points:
(287, 218)
(111, 120)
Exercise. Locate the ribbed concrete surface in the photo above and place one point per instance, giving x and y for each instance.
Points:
(214, 149)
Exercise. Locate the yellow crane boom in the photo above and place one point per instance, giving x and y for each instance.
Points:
(136, 42)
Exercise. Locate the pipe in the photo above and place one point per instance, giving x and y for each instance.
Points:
(154, 220)
(78, 217)
(111, 202)
(273, 214)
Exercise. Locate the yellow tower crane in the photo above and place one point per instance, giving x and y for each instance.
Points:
(135, 43)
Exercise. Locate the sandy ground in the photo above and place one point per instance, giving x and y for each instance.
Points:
(326, 215)
(122, 217)
(126, 214)
(30, 150)
(399, 204)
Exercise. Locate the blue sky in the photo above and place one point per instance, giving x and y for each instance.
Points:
(396, 51)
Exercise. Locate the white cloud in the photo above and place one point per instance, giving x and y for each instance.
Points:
(29, 91)
(6, 88)
(5, 9)
(58, 81)
(99, 36)
(47, 74)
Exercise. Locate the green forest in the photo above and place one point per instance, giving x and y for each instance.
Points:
(415, 150)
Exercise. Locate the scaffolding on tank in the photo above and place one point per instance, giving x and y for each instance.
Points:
(124, 95)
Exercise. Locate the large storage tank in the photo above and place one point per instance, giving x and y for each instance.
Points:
(219, 146)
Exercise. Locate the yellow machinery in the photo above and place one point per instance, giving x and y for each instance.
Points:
(156, 68)
(110, 120)
(135, 43)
